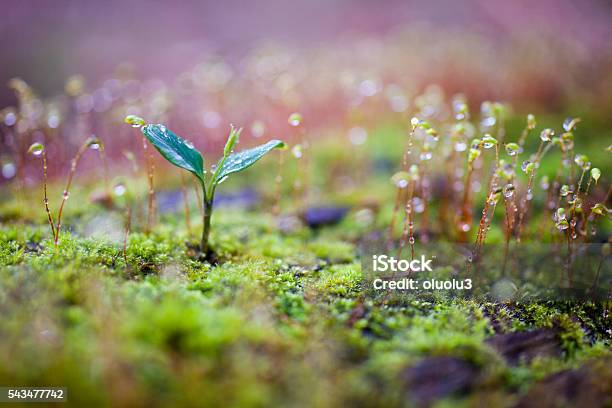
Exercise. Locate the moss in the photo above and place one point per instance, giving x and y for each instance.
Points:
(282, 319)
(340, 280)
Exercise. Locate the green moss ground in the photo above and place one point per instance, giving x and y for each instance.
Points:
(282, 320)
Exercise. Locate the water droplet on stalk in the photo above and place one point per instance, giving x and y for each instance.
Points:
(565, 190)
(570, 123)
(508, 190)
(546, 135)
(426, 155)
(36, 149)
(419, 205)
(527, 166)
(512, 149)
(119, 189)
(134, 121)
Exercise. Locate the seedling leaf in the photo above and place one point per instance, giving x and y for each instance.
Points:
(236, 162)
(175, 149)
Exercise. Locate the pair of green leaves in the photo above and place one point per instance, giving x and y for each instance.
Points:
(182, 154)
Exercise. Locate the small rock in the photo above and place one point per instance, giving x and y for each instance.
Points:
(525, 346)
(439, 377)
(244, 198)
(316, 217)
(588, 386)
(169, 201)
(33, 247)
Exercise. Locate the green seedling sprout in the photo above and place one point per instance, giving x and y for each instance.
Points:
(183, 154)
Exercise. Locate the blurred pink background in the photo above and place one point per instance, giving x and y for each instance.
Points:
(44, 42)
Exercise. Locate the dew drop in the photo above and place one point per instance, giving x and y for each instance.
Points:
(527, 166)
(134, 121)
(508, 190)
(36, 149)
(546, 135)
(512, 149)
(119, 189)
(426, 155)
(419, 205)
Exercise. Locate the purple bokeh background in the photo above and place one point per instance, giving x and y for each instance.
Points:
(44, 42)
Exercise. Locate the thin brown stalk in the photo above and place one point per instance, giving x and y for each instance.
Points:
(66, 194)
(151, 194)
(398, 196)
(483, 225)
(466, 214)
(104, 160)
(128, 226)
(525, 201)
(278, 184)
(185, 202)
(408, 230)
(46, 199)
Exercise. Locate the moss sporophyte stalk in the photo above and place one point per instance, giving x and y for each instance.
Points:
(39, 150)
(183, 154)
